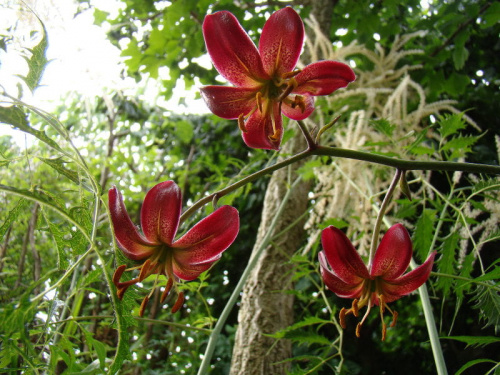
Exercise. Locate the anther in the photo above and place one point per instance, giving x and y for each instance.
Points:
(143, 306)
(342, 315)
(358, 329)
(384, 331)
(144, 270)
(241, 123)
(178, 304)
(394, 318)
(355, 310)
(118, 274)
(168, 287)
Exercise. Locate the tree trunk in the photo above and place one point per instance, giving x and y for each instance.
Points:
(265, 307)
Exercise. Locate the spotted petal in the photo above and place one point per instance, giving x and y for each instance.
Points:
(281, 42)
(203, 244)
(337, 286)
(343, 257)
(161, 211)
(323, 78)
(229, 102)
(133, 244)
(393, 255)
(260, 130)
(406, 284)
(296, 112)
(233, 53)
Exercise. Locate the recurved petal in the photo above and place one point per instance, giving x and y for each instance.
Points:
(397, 288)
(323, 78)
(232, 51)
(336, 285)
(264, 129)
(343, 257)
(161, 211)
(207, 239)
(132, 243)
(393, 255)
(229, 102)
(298, 107)
(281, 41)
(191, 272)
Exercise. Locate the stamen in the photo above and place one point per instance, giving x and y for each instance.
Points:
(241, 123)
(168, 287)
(258, 99)
(118, 274)
(354, 307)
(394, 318)
(291, 85)
(342, 315)
(384, 330)
(291, 74)
(144, 270)
(143, 306)
(358, 330)
(120, 292)
(178, 304)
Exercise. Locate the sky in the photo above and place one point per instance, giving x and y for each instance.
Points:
(81, 58)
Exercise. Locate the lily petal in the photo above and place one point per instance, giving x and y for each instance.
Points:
(233, 53)
(336, 285)
(296, 112)
(393, 255)
(191, 272)
(161, 211)
(133, 244)
(343, 257)
(281, 42)
(260, 133)
(229, 102)
(208, 238)
(323, 78)
(397, 288)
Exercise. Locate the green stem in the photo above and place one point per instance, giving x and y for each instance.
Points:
(401, 164)
(380, 216)
(437, 351)
(212, 341)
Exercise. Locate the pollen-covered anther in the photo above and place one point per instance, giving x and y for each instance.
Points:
(241, 123)
(290, 86)
(358, 329)
(342, 314)
(178, 304)
(291, 74)
(258, 99)
(298, 101)
(394, 319)
(143, 306)
(354, 307)
(167, 290)
(118, 274)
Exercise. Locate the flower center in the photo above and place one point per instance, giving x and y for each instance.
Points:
(372, 295)
(159, 263)
(275, 90)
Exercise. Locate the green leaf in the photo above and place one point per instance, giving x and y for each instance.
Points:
(37, 61)
(474, 341)
(450, 124)
(58, 165)
(460, 56)
(472, 363)
(309, 321)
(184, 130)
(487, 300)
(12, 216)
(13, 115)
(384, 127)
(424, 232)
(459, 146)
(491, 16)
(447, 262)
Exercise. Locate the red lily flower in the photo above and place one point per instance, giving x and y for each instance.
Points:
(380, 283)
(185, 258)
(266, 82)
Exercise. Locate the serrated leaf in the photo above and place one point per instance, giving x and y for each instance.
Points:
(58, 236)
(384, 127)
(13, 115)
(487, 300)
(58, 165)
(474, 341)
(12, 216)
(309, 321)
(447, 262)
(460, 56)
(450, 124)
(459, 146)
(472, 363)
(37, 61)
(424, 232)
